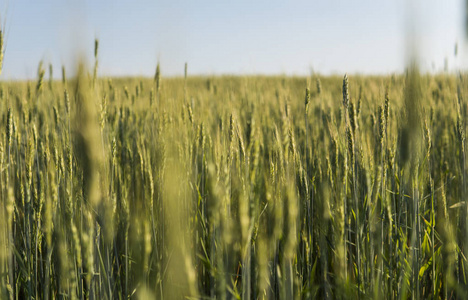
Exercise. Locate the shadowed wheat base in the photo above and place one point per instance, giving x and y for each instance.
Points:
(233, 187)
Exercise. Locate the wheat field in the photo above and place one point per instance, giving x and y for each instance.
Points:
(233, 187)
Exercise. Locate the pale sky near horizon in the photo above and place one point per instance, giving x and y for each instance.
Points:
(230, 37)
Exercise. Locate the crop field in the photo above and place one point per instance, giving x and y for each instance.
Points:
(233, 187)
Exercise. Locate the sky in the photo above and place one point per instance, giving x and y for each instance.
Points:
(231, 37)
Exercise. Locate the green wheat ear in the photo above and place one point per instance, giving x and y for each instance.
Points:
(157, 77)
(66, 97)
(64, 76)
(345, 91)
(96, 47)
(40, 80)
(352, 117)
(51, 76)
(96, 62)
(9, 127)
(387, 106)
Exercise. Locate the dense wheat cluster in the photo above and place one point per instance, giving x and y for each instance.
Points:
(233, 187)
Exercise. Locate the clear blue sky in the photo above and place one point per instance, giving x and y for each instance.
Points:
(218, 37)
